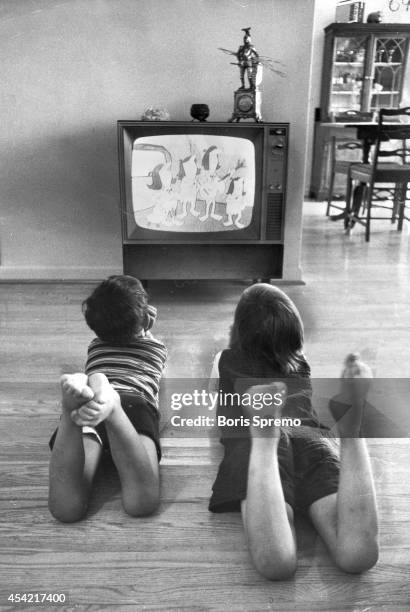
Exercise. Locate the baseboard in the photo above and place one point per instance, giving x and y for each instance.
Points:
(38, 274)
(50, 273)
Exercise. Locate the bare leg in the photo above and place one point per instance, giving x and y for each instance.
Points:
(267, 518)
(193, 210)
(184, 210)
(213, 213)
(207, 210)
(176, 219)
(74, 458)
(134, 454)
(238, 223)
(347, 521)
(229, 220)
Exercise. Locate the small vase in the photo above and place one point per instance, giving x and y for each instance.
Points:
(200, 112)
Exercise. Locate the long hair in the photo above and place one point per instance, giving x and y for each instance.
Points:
(117, 309)
(267, 327)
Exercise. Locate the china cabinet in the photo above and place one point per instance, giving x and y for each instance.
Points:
(364, 69)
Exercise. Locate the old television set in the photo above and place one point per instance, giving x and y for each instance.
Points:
(202, 200)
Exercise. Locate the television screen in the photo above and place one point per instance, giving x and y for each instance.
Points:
(202, 183)
(196, 183)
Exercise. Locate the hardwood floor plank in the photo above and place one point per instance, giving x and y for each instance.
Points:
(219, 581)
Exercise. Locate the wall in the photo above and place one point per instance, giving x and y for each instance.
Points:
(71, 68)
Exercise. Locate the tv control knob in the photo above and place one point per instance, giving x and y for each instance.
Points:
(279, 144)
(277, 187)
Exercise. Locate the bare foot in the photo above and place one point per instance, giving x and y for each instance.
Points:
(75, 391)
(356, 376)
(105, 401)
(267, 403)
(347, 407)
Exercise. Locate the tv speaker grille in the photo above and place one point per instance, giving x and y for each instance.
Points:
(274, 217)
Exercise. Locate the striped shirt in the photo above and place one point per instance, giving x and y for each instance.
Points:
(135, 367)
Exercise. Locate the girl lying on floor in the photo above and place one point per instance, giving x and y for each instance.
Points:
(270, 473)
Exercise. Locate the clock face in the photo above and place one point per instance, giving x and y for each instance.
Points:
(245, 103)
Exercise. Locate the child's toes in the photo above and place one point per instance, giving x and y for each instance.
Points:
(85, 393)
(64, 379)
(65, 384)
(355, 367)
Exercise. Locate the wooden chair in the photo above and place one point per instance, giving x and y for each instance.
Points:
(383, 182)
(340, 165)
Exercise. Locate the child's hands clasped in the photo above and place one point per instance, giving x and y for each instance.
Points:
(92, 413)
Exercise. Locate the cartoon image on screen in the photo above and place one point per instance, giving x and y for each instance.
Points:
(193, 182)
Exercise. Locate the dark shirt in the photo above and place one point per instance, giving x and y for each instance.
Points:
(237, 372)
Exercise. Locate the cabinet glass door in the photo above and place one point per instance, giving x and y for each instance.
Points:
(347, 74)
(387, 72)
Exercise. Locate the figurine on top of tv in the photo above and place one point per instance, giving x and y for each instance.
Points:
(248, 60)
(247, 100)
(251, 62)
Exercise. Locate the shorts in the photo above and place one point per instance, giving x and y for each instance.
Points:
(143, 417)
(309, 469)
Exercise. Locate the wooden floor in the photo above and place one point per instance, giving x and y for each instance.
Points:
(356, 297)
